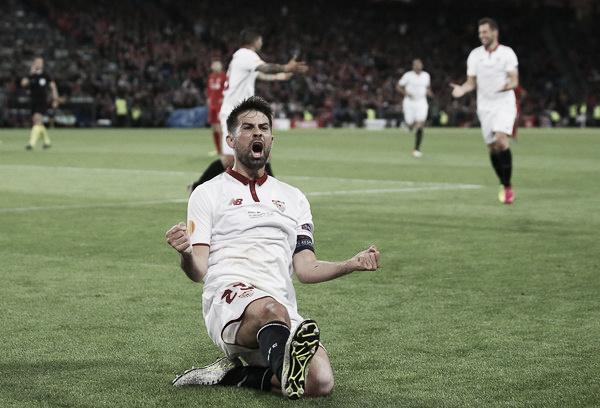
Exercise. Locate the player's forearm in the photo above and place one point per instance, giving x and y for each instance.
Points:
(271, 77)
(271, 68)
(190, 265)
(310, 270)
(467, 87)
(54, 91)
(513, 82)
(459, 91)
(323, 271)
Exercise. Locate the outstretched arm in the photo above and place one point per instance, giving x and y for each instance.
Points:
(280, 76)
(460, 90)
(193, 259)
(293, 66)
(310, 270)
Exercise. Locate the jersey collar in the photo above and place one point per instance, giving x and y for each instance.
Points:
(245, 180)
(493, 49)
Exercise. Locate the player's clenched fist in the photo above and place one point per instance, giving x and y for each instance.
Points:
(179, 238)
(367, 260)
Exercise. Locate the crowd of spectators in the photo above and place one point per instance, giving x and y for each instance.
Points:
(156, 53)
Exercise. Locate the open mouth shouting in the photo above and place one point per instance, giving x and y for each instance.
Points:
(257, 149)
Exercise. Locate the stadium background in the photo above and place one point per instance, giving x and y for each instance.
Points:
(477, 304)
(156, 54)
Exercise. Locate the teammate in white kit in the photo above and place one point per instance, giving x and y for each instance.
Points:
(245, 68)
(246, 234)
(493, 69)
(415, 86)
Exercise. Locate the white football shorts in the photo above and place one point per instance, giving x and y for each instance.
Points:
(415, 113)
(225, 316)
(498, 120)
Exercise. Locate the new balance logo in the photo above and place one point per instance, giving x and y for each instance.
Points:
(236, 201)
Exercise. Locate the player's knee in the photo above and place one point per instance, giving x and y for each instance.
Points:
(268, 310)
(276, 311)
(320, 385)
(319, 382)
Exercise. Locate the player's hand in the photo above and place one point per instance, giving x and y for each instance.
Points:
(457, 90)
(297, 67)
(367, 260)
(179, 238)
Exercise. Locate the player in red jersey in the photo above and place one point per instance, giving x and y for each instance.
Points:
(214, 98)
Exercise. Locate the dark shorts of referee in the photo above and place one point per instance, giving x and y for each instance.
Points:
(40, 107)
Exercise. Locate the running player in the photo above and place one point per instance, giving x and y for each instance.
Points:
(415, 86)
(493, 70)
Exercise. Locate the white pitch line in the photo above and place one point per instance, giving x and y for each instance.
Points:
(93, 170)
(395, 190)
(183, 173)
(85, 206)
(184, 200)
(409, 186)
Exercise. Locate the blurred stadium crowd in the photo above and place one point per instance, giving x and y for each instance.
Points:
(156, 54)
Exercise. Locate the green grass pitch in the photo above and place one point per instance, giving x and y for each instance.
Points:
(476, 303)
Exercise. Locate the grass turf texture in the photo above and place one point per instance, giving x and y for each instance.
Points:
(476, 303)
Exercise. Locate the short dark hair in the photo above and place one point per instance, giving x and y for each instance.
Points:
(248, 36)
(253, 103)
(490, 21)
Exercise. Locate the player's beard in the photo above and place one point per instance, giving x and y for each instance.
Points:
(247, 160)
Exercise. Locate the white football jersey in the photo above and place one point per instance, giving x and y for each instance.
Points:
(491, 70)
(241, 78)
(416, 85)
(252, 229)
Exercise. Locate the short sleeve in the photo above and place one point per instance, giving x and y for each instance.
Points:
(250, 60)
(403, 80)
(472, 64)
(305, 224)
(512, 63)
(199, 217)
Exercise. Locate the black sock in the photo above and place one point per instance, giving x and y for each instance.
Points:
(268, 169)
(213, 170)
(418, 138)
(258, 378)
(496, 164)
(505, 167)
(271, 340)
